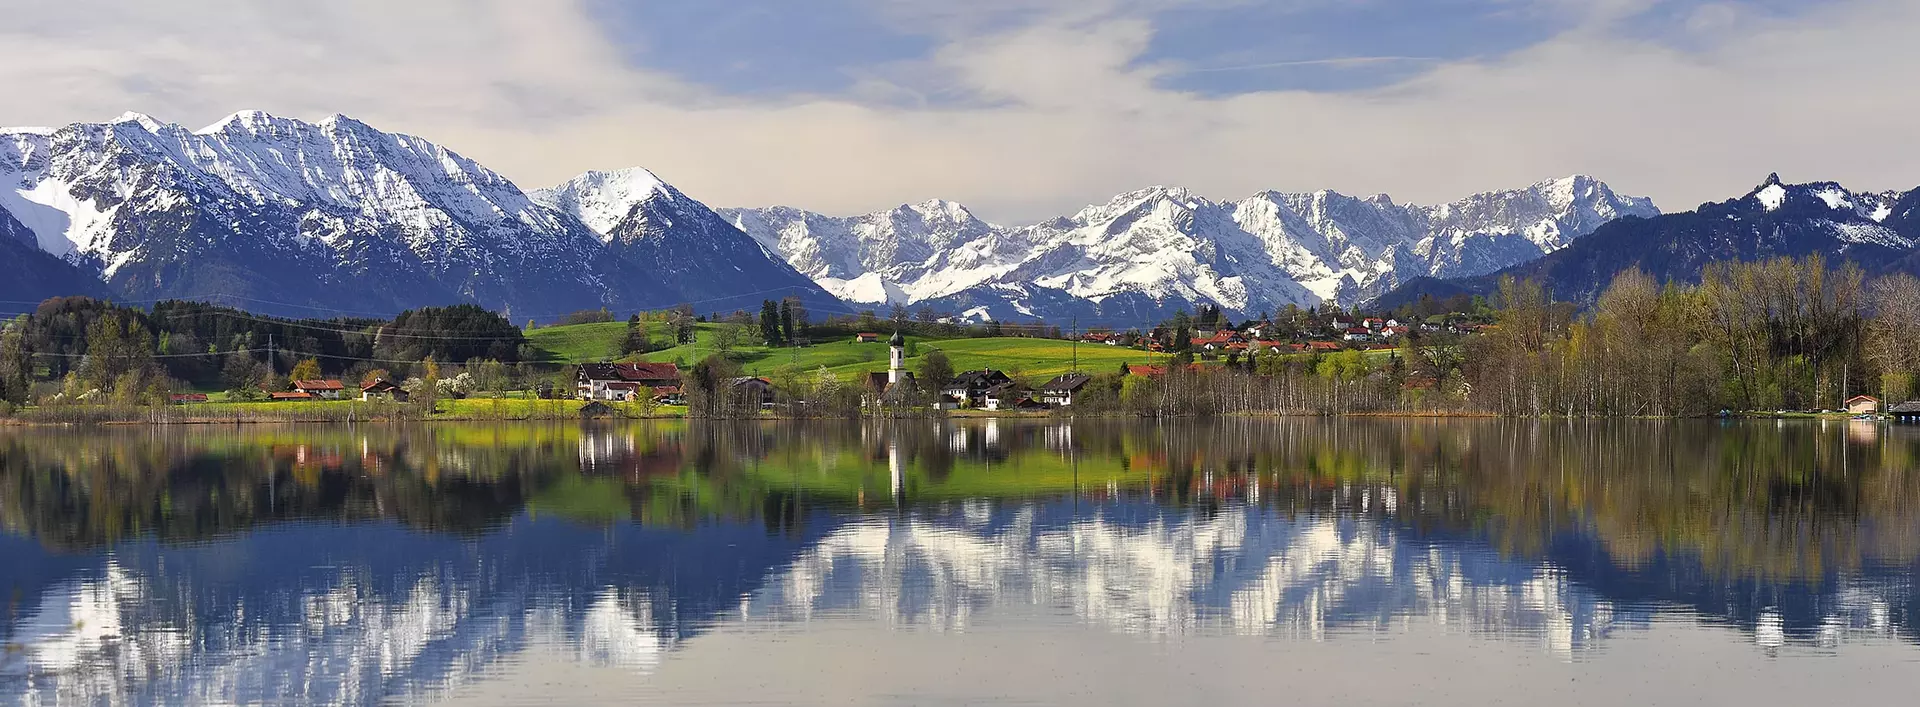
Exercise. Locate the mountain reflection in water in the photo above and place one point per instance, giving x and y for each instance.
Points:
(337, 564)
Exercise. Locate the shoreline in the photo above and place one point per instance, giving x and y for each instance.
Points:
(568, 411)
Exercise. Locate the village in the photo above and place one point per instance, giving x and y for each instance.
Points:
(1164, 348)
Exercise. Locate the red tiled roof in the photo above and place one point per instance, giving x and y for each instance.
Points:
(295, 395)
(1145, 370)
(319, 385)
(632, 372)
(1324, 345)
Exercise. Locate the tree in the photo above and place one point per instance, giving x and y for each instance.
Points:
(726, 338)
(638, 339)
(489, 375)
(119, 359)
(770, 329)
(16, 365)
(935, 371)
(454, 333)
(306, 370)
(428, 396)
(1893, 335)
(786, 319)
(709, 389)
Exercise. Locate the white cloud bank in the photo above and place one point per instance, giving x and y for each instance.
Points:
(1064, 114)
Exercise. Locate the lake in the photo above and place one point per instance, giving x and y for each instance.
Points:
(1301, 561)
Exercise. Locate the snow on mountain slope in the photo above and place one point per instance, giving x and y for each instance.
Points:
(601, 199)
(1163, 248)
(336, 215)
(328, 215)
(1874, 231)
(1859, 218)
(661, 247)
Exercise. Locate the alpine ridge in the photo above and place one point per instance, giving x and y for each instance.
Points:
(1145, 253)
(291, 217)
(1877, 231)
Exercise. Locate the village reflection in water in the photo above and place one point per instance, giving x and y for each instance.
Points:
(362, 564)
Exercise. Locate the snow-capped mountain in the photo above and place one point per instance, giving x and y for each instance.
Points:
(279, 214)
(1147, 252)
(1878, 231)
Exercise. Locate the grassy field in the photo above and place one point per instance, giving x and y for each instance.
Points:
(1031, 360)
(1034, 360)
(580, 343)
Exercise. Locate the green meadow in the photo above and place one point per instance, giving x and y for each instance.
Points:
(1033, 360)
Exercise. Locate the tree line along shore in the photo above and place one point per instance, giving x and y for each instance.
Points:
(1781, 336)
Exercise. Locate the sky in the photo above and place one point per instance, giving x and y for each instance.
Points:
(1029, 109)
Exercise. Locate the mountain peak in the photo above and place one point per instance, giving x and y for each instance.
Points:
(282, 210)
(602, 199)
(239, 120)
(146, 122)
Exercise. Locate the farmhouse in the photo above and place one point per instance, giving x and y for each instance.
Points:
(1063, 389)
(754, 390)
(322, 389)
(382, 389)
(623, 381)
(290, 396)
(970, 388)
(866, 337)
(1006, 396)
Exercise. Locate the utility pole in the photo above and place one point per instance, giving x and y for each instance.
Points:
(272, 368)
(1073, 330)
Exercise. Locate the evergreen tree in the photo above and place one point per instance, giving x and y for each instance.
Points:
(786, 319)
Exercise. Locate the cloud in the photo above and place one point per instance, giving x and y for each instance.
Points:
(1049, 110)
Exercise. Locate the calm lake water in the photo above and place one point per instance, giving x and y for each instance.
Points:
(1352, 562)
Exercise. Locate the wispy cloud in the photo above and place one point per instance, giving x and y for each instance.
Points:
(1047, 110)
(1348, 61)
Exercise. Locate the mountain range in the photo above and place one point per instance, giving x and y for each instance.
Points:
(1878, 231)
(1145, 253)
(336, 217)
(284, 216)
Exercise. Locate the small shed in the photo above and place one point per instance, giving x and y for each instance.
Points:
(1863, 405)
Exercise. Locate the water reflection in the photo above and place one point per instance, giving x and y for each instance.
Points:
(318, 564)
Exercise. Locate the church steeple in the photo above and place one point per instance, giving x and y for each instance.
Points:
(896, 357)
